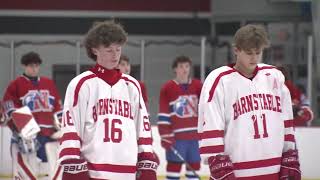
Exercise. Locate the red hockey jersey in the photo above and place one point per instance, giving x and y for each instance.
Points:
(178, 109)
(144, 93)
(41, 97)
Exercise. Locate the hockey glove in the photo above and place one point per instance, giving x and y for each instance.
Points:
(221, 168)
(167, 142)
(303, 115)
(147, 166)
(290, 166)
(74, 169)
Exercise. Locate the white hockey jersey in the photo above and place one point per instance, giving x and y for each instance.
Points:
(107, 125)
(249, 120)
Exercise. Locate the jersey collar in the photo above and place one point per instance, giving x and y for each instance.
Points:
(253, 75)
(109, 76)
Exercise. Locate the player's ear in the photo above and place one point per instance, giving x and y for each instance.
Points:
(94, 51)
(236, 50)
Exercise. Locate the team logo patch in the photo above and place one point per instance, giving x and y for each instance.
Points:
(185, 106)
(38, 100)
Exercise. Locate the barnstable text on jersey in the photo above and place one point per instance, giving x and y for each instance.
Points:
(112, 106)
(252, 102)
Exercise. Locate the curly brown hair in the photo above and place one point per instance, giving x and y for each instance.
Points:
(104, 33)
(31, 58)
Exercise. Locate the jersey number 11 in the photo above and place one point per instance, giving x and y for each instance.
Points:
(256, 128)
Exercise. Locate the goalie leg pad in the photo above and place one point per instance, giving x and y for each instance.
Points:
(24, 165)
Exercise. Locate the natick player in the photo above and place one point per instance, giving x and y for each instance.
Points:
(245, 116)
(31, 104)
(107, 133)
(178, 119)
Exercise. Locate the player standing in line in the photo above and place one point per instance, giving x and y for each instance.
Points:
(302, 113)
(125, 67)
(178, 118)
(245, 116)
(107, 133)
(30, 93)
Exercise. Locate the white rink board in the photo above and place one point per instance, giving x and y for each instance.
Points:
(308, 142)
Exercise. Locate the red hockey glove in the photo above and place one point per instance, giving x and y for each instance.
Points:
(303, 115)
(167, 142)
(147, 166)
(290, 166)
(74, 169)
(221, 168)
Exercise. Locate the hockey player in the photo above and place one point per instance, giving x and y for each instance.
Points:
(107, 133)
(178, 118)
(125, 67)
(245, 116)
(30, 102)
(302, 113)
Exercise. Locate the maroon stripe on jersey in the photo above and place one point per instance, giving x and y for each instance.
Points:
(112, 168)
(144, 141)
(25, 168)
(97, 179)
(289, 137)
(70, 151)
(288, 123)
(70, 136)
(216, 81)
(261, 177)
(257, 164)
(128, 80)
(212, 134)
(76, 91)
(212, 149)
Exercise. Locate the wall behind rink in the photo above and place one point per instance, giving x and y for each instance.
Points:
(159, 53)
(308, 152)
(61, 50)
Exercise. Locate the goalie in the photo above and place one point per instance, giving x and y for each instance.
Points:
(30, 104)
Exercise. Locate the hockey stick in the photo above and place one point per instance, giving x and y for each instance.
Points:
(176, 152)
